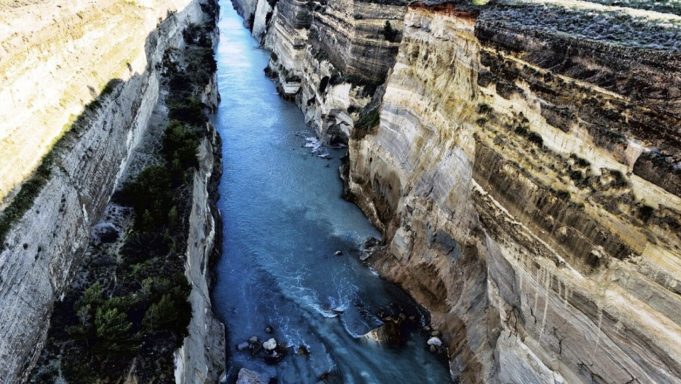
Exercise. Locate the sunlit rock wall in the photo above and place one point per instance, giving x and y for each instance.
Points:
(523, 161)
(525, 172)
(330, 57)
(56, 57)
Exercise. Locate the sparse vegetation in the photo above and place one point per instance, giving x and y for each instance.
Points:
(521, 130)
(563, 195)
(646, 212)
(583, 163)
(576, 176)
(30, 189)
(535, 139)
(611, 26)
(390, 33)
(136, 307)
(484, 109)
(531, 136)
(369, 120)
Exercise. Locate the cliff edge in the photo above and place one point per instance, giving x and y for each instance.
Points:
(523, 161)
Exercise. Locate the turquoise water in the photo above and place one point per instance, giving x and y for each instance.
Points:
(283, 221)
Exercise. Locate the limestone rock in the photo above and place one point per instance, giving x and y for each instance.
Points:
(43, 90)
(434, 341)
(522, 162)
(270, 344)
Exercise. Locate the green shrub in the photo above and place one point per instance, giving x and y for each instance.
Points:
(180, 143)
(140, 247)
(188, 110)
(171, 312)
(150, 195)
(112, 330)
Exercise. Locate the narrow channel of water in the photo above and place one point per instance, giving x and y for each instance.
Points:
(284, 220)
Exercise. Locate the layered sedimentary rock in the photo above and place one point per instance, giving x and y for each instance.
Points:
(523, 162)
(56, 58)
(506, 172)
(45, 246)
(330, 56)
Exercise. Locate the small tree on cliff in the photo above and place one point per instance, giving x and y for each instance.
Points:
(389, 32)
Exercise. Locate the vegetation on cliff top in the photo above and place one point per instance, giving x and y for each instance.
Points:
(31, 188)
(136, 312)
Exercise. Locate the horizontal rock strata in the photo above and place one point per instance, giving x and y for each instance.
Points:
(523, 161)
(73, 51)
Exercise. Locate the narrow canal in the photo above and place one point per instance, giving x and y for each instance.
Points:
(284, 220)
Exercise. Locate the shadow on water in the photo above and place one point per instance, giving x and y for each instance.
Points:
(284, 222)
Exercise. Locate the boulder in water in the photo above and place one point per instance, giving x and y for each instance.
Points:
(338, 253)
(246, 376)
(270, 345)
(243, 346)
(370, 246)
(253, 340)
(434, 341)
(269, 329)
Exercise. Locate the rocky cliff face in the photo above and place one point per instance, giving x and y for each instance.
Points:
(57, 57)
(523, 162)
(328, 56)
(202, 356)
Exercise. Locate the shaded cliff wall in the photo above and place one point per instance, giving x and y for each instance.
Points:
(202, 356)
(43, 248)
(522, 160)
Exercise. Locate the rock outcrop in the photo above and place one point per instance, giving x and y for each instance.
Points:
(330, 57)
(202, 356)
(523, 161)
(123, 41)
(56, 58)
(249, 377)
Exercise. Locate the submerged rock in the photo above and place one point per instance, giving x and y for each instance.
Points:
(246, 376)
(303, 350)
(370, 246)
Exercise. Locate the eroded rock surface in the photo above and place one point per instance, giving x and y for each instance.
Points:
(523, 161)
(73, 52)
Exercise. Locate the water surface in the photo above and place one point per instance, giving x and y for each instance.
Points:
(284, 220)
